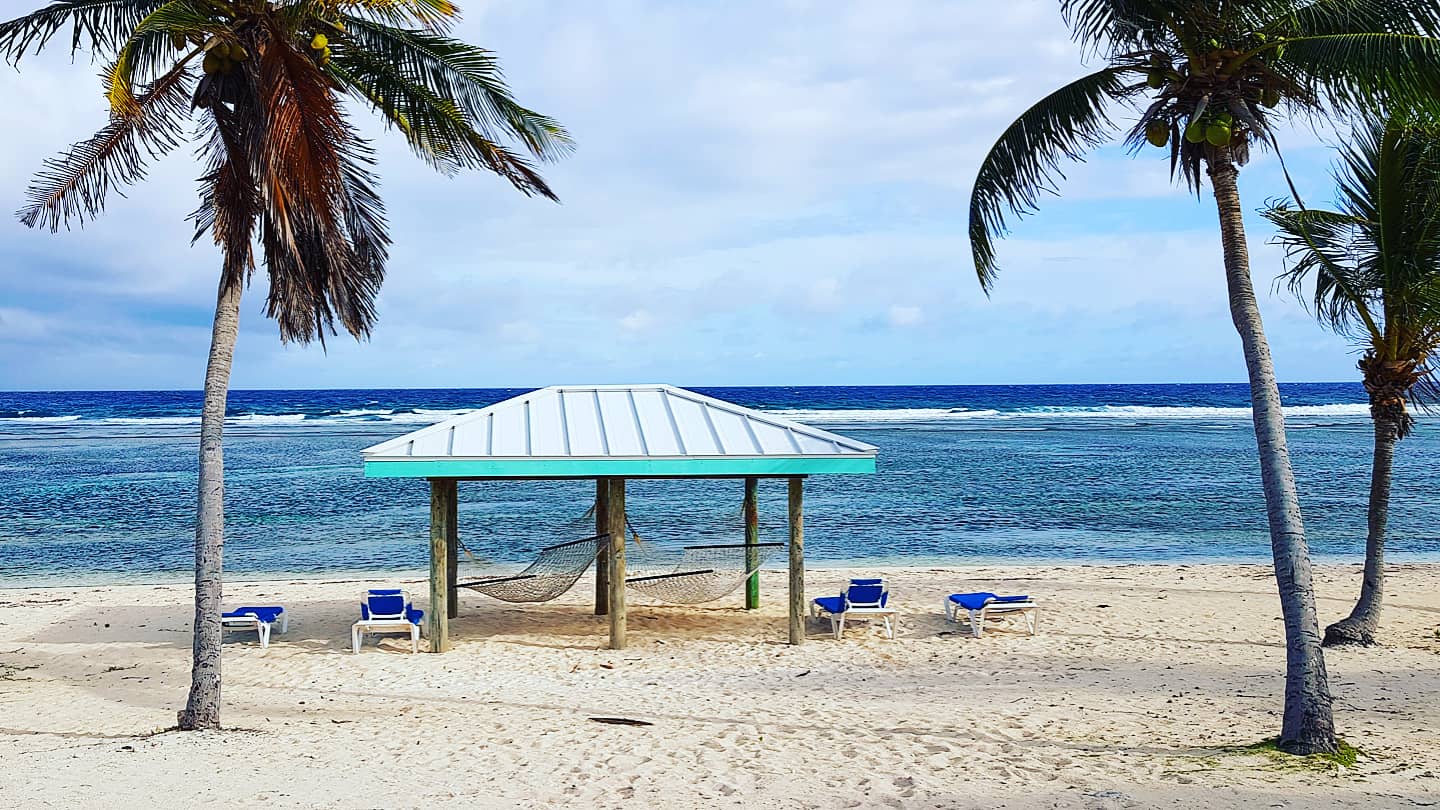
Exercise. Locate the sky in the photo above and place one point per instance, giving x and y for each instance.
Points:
(764, 192)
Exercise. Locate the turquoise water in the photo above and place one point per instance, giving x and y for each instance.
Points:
(99, 487)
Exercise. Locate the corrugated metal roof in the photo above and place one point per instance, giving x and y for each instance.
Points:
(616, 422)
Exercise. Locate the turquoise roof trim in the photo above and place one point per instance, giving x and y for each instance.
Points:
(618, 467)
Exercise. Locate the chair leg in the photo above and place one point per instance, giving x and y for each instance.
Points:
(284, 622)
(1033, 620)
(977, 622)
(263, 630)
(837, 624)
(355, 640)
(414, 639)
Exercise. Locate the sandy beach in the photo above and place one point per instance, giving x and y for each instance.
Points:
(1143, 688)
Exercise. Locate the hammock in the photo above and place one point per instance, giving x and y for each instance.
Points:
(705, 573)
(553, 572)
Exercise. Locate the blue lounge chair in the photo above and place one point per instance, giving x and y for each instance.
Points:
(983, 607)
(259, 619)
(387, 610)
(863, 597)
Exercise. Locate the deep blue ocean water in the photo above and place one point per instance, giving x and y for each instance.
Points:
(99, 486)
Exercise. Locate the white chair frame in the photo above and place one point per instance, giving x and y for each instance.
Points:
(262, 629)
(889, 615)
(994, 611)
(388, 623)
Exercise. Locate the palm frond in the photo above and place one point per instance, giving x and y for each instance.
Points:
(76, 184)
(1365, 70)
(1117, 24)
(1025, 161)
(1331, 17)
(100, 25)
(437, 129)
(464, 73)
(435, 15)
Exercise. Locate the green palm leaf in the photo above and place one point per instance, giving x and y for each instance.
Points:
(1026, 161)
(464, 73)
(101, 25)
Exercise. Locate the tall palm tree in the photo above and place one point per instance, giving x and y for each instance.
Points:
(1375, 270)
(1207, 81)
(262, 84)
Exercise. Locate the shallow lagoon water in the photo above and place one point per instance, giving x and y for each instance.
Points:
(99, 487)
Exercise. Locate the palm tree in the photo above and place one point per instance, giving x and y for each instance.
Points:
(1207, 81)
(285, 171)
(1375, 266)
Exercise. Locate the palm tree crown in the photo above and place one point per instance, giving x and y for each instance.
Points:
(1203, 78)
(1375, 264)
(285, 167)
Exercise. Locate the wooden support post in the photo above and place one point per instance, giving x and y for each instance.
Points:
(752, 538)
(442, 499)
(797, 560)
(616, 531)
(452, 557)
(602, 558)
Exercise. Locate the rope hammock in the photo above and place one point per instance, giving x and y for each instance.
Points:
(705, 573)
(553, 572)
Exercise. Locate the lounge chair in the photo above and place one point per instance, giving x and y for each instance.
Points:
(983, 607)
(259, 619)
(387, 610)
(863, 597)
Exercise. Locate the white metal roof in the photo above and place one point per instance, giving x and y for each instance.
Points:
(613, 422)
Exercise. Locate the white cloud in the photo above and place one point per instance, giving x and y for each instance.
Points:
(905, 316)
(760, 179)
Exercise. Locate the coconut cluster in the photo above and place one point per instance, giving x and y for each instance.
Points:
(222, 56)
(1209, 90)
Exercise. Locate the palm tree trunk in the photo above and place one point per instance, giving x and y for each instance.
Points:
(1362, 623)
(202, 709)
(1308, 726)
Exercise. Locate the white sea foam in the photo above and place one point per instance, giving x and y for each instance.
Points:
(27, 419)
(831, 416)
(1131, 412)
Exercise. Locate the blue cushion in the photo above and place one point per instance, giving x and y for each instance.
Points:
(385, 591)
(267, 614)
(975, 601)
(413, 615)
(831, 604)
(868, 581)
(386, 605)
(867, 594)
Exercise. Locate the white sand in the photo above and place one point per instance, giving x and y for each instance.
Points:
(1140, 691)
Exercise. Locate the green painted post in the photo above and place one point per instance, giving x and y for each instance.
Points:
(602, 556)
(752, 537)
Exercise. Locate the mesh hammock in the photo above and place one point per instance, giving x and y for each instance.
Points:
(705, 573)
(554, 571)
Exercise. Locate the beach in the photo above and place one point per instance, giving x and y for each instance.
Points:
(1145, 687)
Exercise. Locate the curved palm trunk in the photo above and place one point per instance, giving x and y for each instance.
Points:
(1363, 622)
(202, 709)
(1308, 726)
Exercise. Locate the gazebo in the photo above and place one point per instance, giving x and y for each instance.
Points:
(611, 434)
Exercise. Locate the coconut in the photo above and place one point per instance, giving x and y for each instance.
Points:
(1155, 80)
(1269, 97)
(1195, 132)
(177, 41)
(212, 63)
(319, 41)
(1225, 118)
(1157, 133)
(237, 52)
(1218, 134)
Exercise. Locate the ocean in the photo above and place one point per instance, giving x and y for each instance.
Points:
(98, 487)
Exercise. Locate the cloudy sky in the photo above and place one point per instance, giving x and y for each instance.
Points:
(764, 192)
